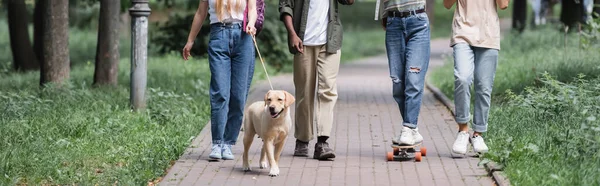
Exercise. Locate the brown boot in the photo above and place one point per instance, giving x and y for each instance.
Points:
(301, 149)
(323, 152)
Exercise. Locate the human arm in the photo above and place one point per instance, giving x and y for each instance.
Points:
(502, 4)
(448, 3)
(252, 15)
(199, 18)
(293, 40)
(286, 11)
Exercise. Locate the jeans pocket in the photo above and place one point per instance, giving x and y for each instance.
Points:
(422, 16)
(214, 32)
(389, 21)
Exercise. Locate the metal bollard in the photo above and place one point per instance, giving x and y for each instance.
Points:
(139, 11)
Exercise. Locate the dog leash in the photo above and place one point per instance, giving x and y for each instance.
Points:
(262, 62)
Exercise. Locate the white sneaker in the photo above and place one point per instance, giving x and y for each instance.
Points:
(461, 143)
(215, 152)
(408, 136)
(479, 145)
(226, 152)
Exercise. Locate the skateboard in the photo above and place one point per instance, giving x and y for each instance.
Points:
(407, 152)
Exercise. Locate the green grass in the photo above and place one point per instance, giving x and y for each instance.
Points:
(523, 58)
(88, 136)
(549, 135)
(362, 43)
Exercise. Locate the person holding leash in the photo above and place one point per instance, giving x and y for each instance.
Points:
(407, 43)
(476, 42)
(231, 59)
(315, 38)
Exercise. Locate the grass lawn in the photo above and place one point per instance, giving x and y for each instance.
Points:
(362, 43)
(543, 124)
(548, 135)
(89, 136)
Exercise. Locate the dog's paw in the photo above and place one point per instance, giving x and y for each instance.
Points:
(274, 172)
(247, 169)
(263, 165)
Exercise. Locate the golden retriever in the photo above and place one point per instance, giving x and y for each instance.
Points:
(271, 120)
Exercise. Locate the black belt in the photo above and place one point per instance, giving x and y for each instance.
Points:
(404, 14)
(228, 25)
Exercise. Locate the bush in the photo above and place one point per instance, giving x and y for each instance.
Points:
(548, 135)
(172, 35)
(84, 14)
(591, 34)
(272, 41)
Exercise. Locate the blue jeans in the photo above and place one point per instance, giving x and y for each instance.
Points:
(407, 44)
(231, 59)
(478, 64)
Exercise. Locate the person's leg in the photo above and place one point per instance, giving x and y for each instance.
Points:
(464, 59)
(242, 63)
(486, 61)
(304, 82)
(395, 47)
(220, 85)
(328, 66)
(417, 60)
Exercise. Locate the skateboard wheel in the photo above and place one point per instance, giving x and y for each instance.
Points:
(390, 156)
(418, 156)
(396, 151)
(423, 151)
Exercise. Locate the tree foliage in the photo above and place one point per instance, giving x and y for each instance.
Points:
(272, 41)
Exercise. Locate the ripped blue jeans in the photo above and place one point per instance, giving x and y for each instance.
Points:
(407, 43)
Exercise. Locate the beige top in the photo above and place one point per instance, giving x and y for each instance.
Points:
(476, 23)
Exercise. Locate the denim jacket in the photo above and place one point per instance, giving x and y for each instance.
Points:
(298, 9)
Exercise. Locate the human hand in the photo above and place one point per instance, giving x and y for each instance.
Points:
(295, 42)
(186, 50)
(250, 29)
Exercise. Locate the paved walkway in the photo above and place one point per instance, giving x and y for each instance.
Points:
(366, 118)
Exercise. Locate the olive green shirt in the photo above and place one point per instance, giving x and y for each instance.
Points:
(298, 9)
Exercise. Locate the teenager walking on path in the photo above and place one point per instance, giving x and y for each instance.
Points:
(231, 60)
(476, 42)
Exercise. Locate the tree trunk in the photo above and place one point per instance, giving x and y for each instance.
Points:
(519, 15)
(55, 67)
(23, 56)
(38, 29)
(107, 50)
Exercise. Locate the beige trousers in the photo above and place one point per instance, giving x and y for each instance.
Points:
(315, 71)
